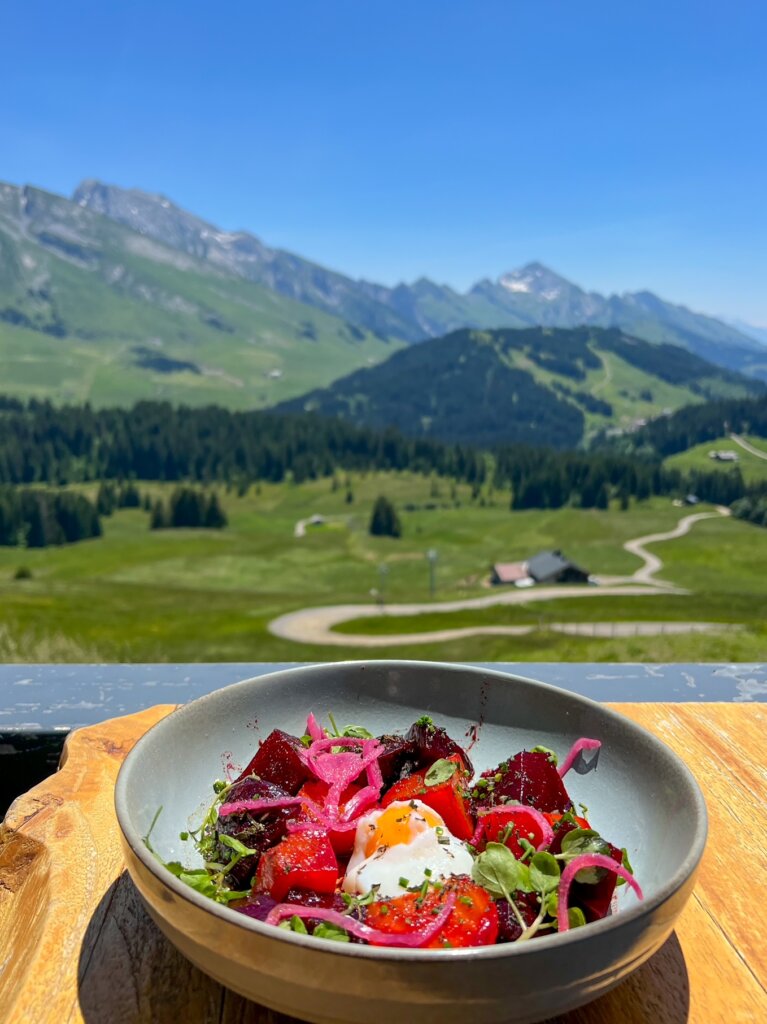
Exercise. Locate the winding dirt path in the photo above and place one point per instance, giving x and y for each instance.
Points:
(652, 563)
(748, 447)
(317, 625)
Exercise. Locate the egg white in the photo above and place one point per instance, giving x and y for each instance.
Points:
(394, 869)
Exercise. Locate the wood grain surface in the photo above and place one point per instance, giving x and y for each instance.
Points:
(77, 946)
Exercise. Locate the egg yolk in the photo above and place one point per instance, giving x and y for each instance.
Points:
(398, 825)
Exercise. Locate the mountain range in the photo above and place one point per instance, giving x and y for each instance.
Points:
(528, 296)
(91, 309)
(115, 295)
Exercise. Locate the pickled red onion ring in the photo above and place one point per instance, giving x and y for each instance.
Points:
(584, 743)
(313, 728)
(254, 806)
(364, 931)
(588, 860)
(339, 770)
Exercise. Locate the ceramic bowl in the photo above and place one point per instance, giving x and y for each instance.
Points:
(641, 796)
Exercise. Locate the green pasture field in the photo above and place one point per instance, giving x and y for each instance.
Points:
(751, 466)
(196, 595)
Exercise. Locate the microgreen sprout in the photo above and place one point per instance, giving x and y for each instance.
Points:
(499, 871)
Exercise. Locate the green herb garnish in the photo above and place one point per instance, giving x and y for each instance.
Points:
(499, 871)
(549, 753)
(440, 772)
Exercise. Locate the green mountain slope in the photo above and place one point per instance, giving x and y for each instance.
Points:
(92, 310)
(242, 254)
(539, 385)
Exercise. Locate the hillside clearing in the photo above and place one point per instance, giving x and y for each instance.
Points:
(196, 595)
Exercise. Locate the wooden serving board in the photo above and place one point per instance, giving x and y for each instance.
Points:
(77, 946)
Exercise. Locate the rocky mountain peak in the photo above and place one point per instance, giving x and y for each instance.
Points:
(535, 279)
(150, 214)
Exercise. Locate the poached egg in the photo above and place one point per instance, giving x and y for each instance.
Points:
(402, 846)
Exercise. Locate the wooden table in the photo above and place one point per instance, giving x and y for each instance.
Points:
(77, 946)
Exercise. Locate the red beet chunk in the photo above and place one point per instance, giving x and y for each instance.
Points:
(473, 921)
(433, 744)
(561, 829)
(594, 900)
(447, 798)
(307, 898)
(496, 824)
(398, 760)
(508, 927)
(258, 830)
(303, 860)
(257, 905)
(530, 778)
(277, 760)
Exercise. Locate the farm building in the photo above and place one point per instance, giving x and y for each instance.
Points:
(723, 456)
(504, 573)
(553, 567)
(545, 567)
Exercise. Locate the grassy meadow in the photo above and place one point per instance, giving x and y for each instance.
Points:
(197, 595)
(753, 468)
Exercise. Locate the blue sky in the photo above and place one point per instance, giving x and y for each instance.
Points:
(623, 144)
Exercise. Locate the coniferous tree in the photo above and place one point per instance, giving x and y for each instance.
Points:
(105, 499)
(215, 517)
(158, 519)
(186, 508)
(129, 496)
(602, 499)
(42, 529)
(384, 521)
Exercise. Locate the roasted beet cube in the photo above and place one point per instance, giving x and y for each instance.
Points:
(308, 898)
(473, 921)
(561, 828)
(303, 860)
(508, 926)
(257, 905)
(447, 798)
(278, 760)
(503, 822)
(398, 760)
(530, 778)
(433, 743)
(258, 830)
(594, 899)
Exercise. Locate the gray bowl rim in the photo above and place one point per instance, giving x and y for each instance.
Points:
(642, 909)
